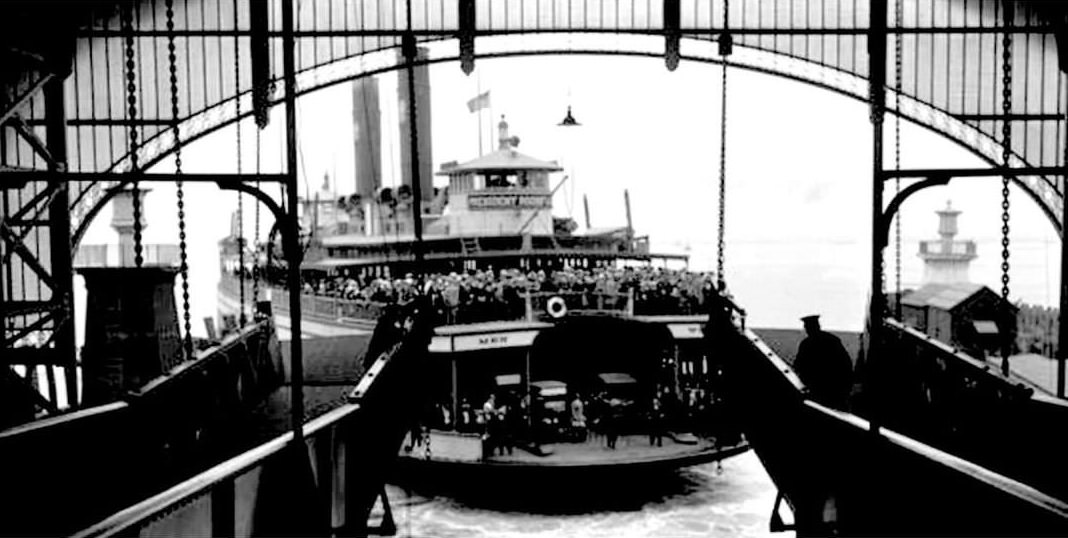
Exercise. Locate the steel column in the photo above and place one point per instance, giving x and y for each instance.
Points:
(291, 230)
(877, 69)
(60, 248)
(1062, 329)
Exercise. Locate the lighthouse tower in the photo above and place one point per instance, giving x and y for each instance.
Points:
(946, 260)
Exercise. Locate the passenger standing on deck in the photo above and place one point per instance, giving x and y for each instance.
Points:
(486, 418)
(610, 424)
(578, 418)
(824, 365)
(656, 423)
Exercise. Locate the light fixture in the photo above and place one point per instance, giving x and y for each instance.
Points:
(569, 120)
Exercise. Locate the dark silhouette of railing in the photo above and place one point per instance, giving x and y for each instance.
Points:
(94, 461)
(965, 406)
(841, 475)
(325, 485)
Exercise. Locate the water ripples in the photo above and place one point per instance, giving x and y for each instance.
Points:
(697, 501)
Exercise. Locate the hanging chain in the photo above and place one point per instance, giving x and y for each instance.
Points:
(898, 22)
(183, 253)
(1006, 153)
(131, 100)
(256, 235)
(243, 319)
(427, 451)
(721, 255)
(1006, 141)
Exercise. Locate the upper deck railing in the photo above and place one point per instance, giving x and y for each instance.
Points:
(482, 303)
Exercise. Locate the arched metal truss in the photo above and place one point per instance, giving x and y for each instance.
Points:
(950, 64)
(1044, 190)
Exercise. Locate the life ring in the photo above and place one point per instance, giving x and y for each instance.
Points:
(556, 307)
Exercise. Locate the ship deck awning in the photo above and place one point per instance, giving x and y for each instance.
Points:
(491, 335)
(490, 327)
(334, 263)
(502, 160)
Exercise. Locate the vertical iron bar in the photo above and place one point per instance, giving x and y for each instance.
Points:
(1026, 93)
(949, 56)
(107, 96)
(203, 59)
(292, 228)
(36, 230)
(155, 64)
(877, 76)
(1062, 328)
(59, 233)
(932, 37)
(1042, 102)
(979, 72)
(219, 55)
(188, 63)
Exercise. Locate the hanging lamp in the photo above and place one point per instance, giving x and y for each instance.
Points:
(569, 120)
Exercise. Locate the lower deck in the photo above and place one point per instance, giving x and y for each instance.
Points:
(675, 450)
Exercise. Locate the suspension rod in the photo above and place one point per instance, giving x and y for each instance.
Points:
(291, 231)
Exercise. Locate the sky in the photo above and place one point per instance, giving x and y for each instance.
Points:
(798, 204)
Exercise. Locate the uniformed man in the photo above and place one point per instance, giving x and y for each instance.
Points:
(824, 365)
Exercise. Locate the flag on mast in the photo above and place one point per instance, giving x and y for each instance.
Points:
(479, 102)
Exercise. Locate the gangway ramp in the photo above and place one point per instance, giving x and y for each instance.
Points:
(840, 474)
(62, 473)
(326, 482)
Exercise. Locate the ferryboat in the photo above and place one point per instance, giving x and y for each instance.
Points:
(543, 319)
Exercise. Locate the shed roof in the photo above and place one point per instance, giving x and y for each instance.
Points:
(943, 296)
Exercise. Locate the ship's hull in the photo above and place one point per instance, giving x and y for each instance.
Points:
(570, 476)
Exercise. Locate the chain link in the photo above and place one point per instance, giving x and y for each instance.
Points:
(898, 22)
(183, 251)
(427, 452)
(1006, 154)
(256, 235)
(243, 319)
(131, 100)
(721, 252)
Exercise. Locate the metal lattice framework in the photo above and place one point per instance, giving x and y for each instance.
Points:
(950, 83)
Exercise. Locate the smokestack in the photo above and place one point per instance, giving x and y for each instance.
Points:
(422, 110)
(366, 119)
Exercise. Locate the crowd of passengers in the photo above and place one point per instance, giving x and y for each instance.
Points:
(483, 295)
(505, 419)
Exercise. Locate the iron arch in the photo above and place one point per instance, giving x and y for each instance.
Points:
(1041, 190)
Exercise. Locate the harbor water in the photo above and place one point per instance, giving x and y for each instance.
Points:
(731, 499)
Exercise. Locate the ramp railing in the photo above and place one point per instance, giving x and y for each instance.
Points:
(840, 475)
(325, 485)
(62, 473)
(949, 399)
